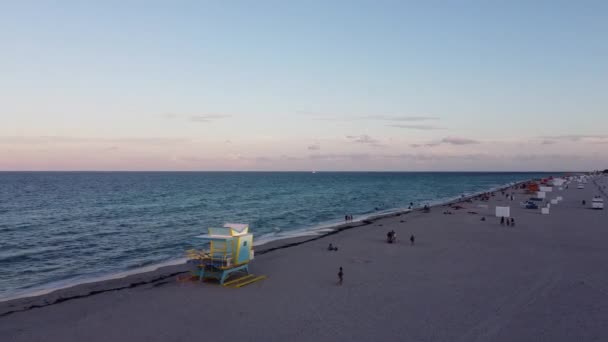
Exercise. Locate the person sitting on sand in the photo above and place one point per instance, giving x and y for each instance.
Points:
(483, 218)
(340, 275)
(389, 237)
(330, 247)
(412, 239)
(512, 222)
(394, 235)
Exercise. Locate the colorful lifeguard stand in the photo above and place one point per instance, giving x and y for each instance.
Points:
(230, 251)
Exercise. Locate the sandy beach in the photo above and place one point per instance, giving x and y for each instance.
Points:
(465, 279)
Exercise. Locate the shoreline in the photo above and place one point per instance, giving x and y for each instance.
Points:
(467, 277)
(172, 268)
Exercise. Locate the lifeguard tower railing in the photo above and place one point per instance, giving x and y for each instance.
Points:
(219, 252)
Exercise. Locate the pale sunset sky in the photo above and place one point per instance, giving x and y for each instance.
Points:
(304, 85)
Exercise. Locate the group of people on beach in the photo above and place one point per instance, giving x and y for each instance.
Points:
(391, 237)
(348, 218)
(509, 221)
(506, 194)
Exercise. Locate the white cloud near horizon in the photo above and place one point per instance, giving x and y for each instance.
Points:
(202, 118)
(314, 147)
(350, 152)
(50, 139)
(415, 126)
(448, 140)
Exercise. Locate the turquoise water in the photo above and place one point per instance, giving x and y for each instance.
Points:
(62, 228)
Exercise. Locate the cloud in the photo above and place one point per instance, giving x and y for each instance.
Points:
(459, 141)
(322, 116)
(448, 140)
(424, 145)
(196, 118)
(435, 157)
(378, 117)
(545, 157)
(575, 137)
(92, 140)
(208, 117)
(338, 156)
(362, 139)
(365, 139)
(314, 147)
(415, 126)
(290, 158)
(401, 118)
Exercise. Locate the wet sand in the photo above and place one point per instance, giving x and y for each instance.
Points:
(544, 279)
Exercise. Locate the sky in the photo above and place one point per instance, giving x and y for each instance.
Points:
(304, 85)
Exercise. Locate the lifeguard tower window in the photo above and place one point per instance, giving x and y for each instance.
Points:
(244, 243)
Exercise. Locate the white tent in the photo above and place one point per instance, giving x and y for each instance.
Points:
(503, 211)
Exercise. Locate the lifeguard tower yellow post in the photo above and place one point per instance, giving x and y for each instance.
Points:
(230, 250)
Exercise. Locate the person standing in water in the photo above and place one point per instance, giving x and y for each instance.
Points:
(340, 276)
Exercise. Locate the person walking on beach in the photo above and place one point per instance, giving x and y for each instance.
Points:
(502, 220)
(412, 239)
(340, 276)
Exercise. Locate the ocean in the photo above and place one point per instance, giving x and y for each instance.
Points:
(62, 228)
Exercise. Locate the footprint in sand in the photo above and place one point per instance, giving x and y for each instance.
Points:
(360, 261)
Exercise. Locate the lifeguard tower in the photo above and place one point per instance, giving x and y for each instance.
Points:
(229, 251)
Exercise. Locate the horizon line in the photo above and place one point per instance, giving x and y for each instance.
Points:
(302, 171)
